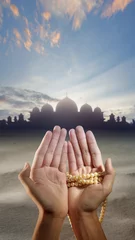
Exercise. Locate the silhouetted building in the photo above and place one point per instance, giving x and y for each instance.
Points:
(118, 119)
(66, 115)
(3, 124)
(15, 119)
(9, 121)
(21, 118)
(133, 122)
(112, 118)
(123, 119)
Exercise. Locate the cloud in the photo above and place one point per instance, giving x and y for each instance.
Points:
(18, 38)
(37, 33)
(111, 90)
(14, 101)
(55, 38)
(46, 16)
(39, 48)
(28, 44)
(42, 32)
(2, 98)
(4, 114)
(34, 34)
(115, 6)
(14, 10)
(28, 36)
(76, 10)
(27, 33)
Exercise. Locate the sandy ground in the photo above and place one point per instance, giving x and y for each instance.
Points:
(18, 213)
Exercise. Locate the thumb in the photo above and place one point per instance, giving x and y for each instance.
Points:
(109, 177)
(24, 177)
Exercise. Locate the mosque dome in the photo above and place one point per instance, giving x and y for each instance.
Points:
(35, 110)
(97, 110)
(47, 108)
(86, 108)
(66, 104)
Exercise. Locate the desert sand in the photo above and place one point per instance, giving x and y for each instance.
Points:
(18, 214)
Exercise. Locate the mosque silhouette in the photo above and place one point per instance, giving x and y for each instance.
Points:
(66, 115)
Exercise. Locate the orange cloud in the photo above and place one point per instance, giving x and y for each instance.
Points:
(55, 38)
(46, 16)
(115, 6)
(19, 40)
(39, 48)
(41, 32)
(14, 10)
(77, 23)
(76, 10)
(27, 33)
(18, 37)
(28, 44)
(17, 34)
(89, 5)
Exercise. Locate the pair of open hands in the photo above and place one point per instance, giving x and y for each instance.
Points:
(45, 181)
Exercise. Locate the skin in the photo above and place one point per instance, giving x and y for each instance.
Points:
(85, 157)
(45, 183)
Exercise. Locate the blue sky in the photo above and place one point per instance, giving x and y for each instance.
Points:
(83, 47)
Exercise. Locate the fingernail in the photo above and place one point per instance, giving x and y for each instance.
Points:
(56, 127)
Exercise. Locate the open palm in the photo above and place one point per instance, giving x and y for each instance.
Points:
(46, 180)
(84, 157)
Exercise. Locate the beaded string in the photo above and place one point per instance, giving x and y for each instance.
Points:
(85, 180)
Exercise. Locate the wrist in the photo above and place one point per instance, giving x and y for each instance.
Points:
(48, 226)
(80, 214)
(51, 212)
(52, 216)
(86, 225)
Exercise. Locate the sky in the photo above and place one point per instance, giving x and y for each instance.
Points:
(84, 49)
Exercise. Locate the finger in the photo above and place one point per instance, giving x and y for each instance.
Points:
(24, 177)
(58, 151)
(71, 158)
(52, 146)
(81, 137)
(96, 158)
(77, 151)
(109, 177)
(63, 161)
(40, 153)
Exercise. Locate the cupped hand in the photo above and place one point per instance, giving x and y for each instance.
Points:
(45, 181)
(84, 157)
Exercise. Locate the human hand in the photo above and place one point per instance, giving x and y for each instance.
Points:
(85, 157)
(45, 181)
